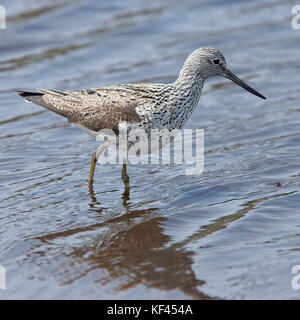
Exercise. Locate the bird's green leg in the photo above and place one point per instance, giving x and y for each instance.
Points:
(125, 177)
(94, 160)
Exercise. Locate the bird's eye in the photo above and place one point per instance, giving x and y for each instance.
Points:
(216, 61)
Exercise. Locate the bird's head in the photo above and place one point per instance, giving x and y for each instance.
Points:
(210, 62)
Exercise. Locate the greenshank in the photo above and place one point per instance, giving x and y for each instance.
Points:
(139, 105)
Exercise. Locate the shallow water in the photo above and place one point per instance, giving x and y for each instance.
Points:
(232, 232)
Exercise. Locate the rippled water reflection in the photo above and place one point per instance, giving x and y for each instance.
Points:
(232, 232)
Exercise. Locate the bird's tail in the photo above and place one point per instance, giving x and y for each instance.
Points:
(34, 97)
(38, 98)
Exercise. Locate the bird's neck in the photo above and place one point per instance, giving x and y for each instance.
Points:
(190, 79)
(186, 91)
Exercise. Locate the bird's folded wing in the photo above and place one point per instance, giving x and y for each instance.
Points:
(90, 108)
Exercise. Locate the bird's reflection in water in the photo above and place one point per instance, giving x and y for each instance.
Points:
(133, 250)
(95, 202)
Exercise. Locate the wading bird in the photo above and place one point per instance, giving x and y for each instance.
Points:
(139, 105)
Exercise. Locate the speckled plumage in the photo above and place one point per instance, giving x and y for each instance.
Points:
(140, 105)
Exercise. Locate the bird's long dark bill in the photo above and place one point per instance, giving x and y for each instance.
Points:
(229, 75)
